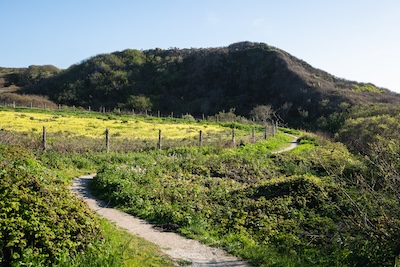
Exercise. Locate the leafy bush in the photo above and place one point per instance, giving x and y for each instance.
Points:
(40, 219)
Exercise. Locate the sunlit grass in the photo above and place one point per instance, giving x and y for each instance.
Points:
(82, 131)
(95, 126)
(118, 248)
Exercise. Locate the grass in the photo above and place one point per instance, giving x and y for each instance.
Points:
(274, 210)
(71, 125)
(118, 248)
(43, 224)
(66, 130)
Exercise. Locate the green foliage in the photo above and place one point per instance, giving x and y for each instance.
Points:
(140, 103)
(366, 88)
(360, 132)
(203, 82)
(39, 218)
(34, 74)
(257, 205)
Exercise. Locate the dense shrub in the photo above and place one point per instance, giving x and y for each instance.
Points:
(40, 220)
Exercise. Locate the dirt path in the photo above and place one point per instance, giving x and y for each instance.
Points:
(174, 245)
(293, 144)
(171, 244)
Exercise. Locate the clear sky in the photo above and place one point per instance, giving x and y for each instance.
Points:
(357, 40)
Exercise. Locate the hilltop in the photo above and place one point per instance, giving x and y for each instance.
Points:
(206, 81)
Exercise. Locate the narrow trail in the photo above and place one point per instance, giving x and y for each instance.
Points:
(293, 144)
(172, 244)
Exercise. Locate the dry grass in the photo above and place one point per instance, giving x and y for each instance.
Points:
(11, 99)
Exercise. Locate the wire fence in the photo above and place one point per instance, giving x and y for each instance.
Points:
(110, 141)
(107, 143)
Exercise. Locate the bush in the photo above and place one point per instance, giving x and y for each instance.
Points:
(39, 218)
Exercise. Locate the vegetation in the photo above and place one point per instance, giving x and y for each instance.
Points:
(332, 201)
(28, 76)
(85, 131)
(206, 81)
(117, 248)
(43, 224)
(304, 205)
(40, 219)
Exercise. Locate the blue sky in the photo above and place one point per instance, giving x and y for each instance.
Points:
(353, 39)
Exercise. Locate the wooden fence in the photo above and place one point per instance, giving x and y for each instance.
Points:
(107, 143)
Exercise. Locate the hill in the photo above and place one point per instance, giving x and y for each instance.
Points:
(206, 81)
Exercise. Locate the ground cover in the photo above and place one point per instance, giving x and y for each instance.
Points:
(67, 129)
(43, 224)
(271, 209)
(94, 126)
(312, 206)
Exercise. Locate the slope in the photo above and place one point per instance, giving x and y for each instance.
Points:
(206, 81)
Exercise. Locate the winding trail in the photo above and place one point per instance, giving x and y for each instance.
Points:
(293, 144)
(172, 244)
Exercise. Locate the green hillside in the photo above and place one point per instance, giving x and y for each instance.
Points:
(206, 81)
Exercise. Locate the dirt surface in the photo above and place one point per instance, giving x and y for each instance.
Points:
(174, 245)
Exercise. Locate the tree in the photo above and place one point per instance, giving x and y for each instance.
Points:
(261, 113)
(139, 103)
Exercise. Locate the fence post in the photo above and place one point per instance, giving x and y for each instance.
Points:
(233, 138)
(265, 132)
(13, 104)
(107, 141)
(200, 139)
(158, 114)
(159, 140)
(31, 105)
(44, 138)
(89, 108)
